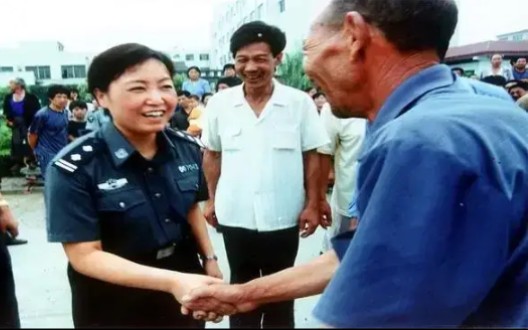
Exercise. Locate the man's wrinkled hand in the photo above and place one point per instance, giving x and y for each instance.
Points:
(221, 299)
(326, 214)
(8, 222)
(308, 221)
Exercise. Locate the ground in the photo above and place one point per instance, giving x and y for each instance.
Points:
(40, 270)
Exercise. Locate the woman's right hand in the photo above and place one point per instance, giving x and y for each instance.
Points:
(186, 283)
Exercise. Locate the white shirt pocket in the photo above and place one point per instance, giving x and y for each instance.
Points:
(232, 139)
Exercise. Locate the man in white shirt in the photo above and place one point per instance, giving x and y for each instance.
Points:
(262, 167)
(346, 138)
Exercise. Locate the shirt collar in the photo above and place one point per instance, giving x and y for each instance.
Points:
(277, 98)
(410, 91)
(121, 150)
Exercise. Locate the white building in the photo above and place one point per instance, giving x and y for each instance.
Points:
(185, 58)
(291, 16)
(47, 62)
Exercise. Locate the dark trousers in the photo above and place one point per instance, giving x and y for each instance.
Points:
(97, 304)
(8, 304)
(252, 254)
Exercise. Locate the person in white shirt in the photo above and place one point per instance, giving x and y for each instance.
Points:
(262, 167)
(346, 139)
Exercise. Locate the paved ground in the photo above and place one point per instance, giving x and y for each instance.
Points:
(40, 270)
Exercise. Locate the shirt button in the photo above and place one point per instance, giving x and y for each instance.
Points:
(167, 220)
(122, 205)
(197, 186)
(150, 170)
(157, 195)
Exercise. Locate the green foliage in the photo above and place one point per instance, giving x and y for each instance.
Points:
(291, 72)
(5, 139)
(178, 81)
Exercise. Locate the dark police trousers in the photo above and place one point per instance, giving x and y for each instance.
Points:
(8, 304)
(101, 304)
(252, 254)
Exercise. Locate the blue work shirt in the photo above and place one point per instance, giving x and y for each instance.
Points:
(52, 129)
(442, 198)
(519, 75)
(100, 188)
(199, 87)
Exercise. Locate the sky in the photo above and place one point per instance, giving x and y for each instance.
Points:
(94, 25)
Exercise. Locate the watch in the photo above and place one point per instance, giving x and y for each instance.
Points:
(209, 258)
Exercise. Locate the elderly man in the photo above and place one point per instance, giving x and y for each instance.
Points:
(442, 184)
(262, 166)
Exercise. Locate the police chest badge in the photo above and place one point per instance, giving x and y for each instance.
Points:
(188, 168)
(113, 184)
(121, 153)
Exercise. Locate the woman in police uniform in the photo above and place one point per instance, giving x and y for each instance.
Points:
(123, 201)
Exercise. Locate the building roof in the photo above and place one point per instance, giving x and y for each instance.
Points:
(487, 48)
(510, 33)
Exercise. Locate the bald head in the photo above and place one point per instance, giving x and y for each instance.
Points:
(410, 25)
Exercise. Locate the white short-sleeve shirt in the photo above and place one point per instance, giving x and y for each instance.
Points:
(261, 185)
(346, 138)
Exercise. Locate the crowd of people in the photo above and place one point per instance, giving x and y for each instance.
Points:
(426, 225)
(514, 80)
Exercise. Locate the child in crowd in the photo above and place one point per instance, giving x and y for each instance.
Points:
(77, 125)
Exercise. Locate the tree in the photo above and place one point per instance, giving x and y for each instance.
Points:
(291, 72)
(178, 81)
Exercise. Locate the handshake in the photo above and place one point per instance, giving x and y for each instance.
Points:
(210, 299)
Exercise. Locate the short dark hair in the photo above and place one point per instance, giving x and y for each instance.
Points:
(195, 97)
(228, 66)
(411, 25)
(258, 31)
(516, 84)
(74, 90)
(78, 104)
(459, 69)
(495, 80)
(183, 93)
(229, 81)
(194, 68)
(317, 95)
(54, 90)
(205, 95)
(112, 63)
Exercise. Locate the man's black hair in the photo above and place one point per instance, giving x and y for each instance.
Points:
(258, 31)
(54, 90)
(78, 104)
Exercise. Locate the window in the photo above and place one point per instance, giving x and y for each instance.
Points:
(6, 69)
(282, 6)
(176, 57)
(41, 72)
(517, 37)
(189, 57)
(204, 57)
(73, 71)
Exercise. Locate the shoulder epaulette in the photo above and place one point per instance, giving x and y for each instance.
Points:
(182, 135)
(76, 154)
